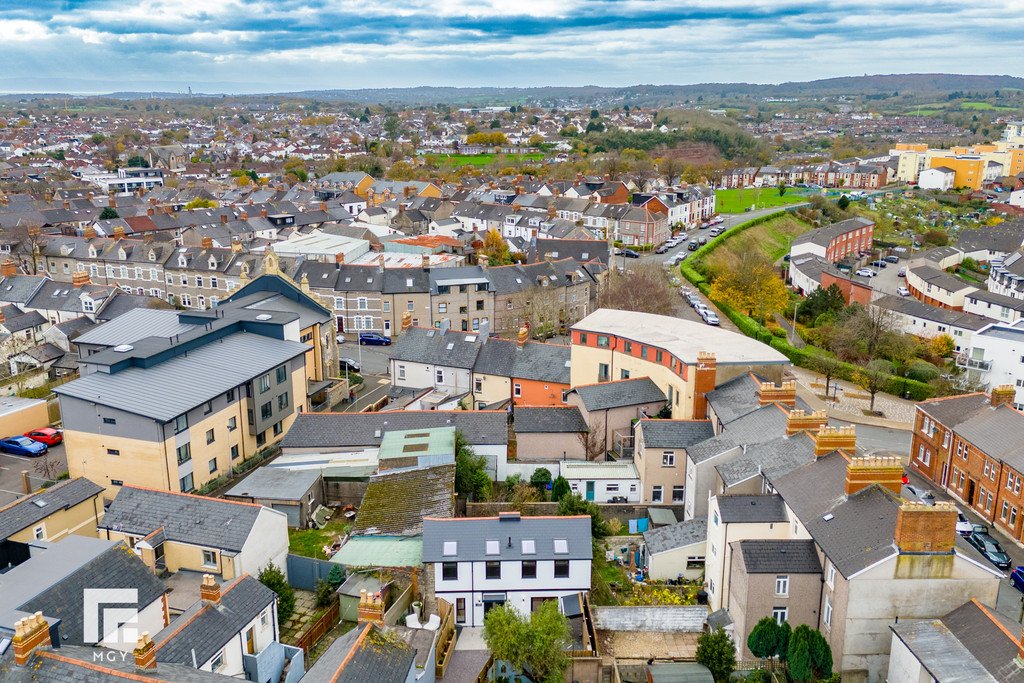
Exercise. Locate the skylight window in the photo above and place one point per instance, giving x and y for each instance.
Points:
(493, 548)
(450, 548)
(529, 546)
(561, 546)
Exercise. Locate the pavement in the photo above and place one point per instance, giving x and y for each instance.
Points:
(11, 467)
(849, 401)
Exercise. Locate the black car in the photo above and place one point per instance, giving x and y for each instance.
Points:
(989, 547)
(662, 249)
(892, 259)
(692, 246)
(629, 253)
(879, 264)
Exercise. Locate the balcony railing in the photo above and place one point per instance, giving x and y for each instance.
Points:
(972, 364)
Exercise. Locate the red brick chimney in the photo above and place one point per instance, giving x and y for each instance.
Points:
(784, 394)
(149, 211)
(223, 218)
(152, 201)
(113, 202)
(924, 528)
(798, 421)
(703, 383)
(884, 470)
(30, 633)
(830, 439)
(263, 213)
(89, 233)
(339, 258)
(79, 279)
(406, 320)
(551, 212)
(8, 268)
(209, 590)
(118, 233)
(145, 653)
(243, 216)
(207, 243)
(1004, 393)
(524, 336)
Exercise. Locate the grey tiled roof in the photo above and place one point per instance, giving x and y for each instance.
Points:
(775, 556)
(744, 509)
(452, 349)
(909, 306)
(997, 432)
(26, 511)
(554, 419)
(207, 628)
(761, 425)
(471, 535)
(676, 535)
(627, 392)
(951, 411)
(395, 502)
(771, 458)
(735, 398)
(117, 567)
(208, 522)
(333, 430)
(366, 653)
(675, 433)
(75, 664)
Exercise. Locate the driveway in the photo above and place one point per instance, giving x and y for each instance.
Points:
(11, 467)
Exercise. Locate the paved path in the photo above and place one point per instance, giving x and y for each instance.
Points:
(851, 401)
(794, 339)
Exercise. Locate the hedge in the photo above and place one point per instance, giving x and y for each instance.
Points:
(918, 391)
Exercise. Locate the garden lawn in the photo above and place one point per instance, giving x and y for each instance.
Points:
(771, 238)
(310, 542)
(484, 159)
(736, 201)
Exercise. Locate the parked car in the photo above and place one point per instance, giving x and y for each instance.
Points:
(616, 251)
(878, 264)
(629, 253)
(374, 339)
(866, 272)
(692, 246)
(1017, 578)
(680, 238)
(711, 319)
(47, 435)
(662, 249)
(902, 272)
(987, 546)
(715, 232)
(22, 445)
(913, 493)
(963, 525)
(702, 241)
(892, 259)
(903, 291)
(341, 339)
(349, 364)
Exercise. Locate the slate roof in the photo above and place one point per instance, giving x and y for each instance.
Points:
(1004, 237)
(116, 567)
(678, 535)
(626, 392)
(74, 664)
(774, 556)
(909, 306)
(951, 411)
(396, 501)
(366, 653)
(205, 628)
(735, 398)
(675, 433)
(549, 419)
(761, 425)
(823, 236)
(744, 509)
(453, 349)
(198, 520)
(472, 533)
(32, 509)
(771, 459)
(983, 632)
(997, 432)
(334, 430)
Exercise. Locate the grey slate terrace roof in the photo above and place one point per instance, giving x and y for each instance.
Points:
(275, 483)
(549, 419)
(75, 664)
(1000, 300)
(209, 522)
(761, 425)
(26, 511)
(771, 459)
(618, 394)
(735, 398)
(453, 349)
(774, 556)
(910, 306)
(678, 535)
(175, 386)
(337, 430)
(822, 236)
(981, 635)
(953, 410)
(366, 653)
(116, 567)
(1004, 237)
(675, 433)
(941, 279)
(997, 433)
(205, 628)
(471, 535)
(744, 509)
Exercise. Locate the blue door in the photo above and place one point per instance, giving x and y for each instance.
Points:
(590, 490)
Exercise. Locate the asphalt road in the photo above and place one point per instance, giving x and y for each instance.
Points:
(372, 359)
(11, 467)
(871, 439)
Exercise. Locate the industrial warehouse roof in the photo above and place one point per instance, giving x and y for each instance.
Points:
(179, 384)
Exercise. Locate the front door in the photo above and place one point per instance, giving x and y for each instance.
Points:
(970, 492)
(387, 328)
(590, 490)
(250, 640)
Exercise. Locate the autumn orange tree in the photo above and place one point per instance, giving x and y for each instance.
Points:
(752, 287)
(496, 249)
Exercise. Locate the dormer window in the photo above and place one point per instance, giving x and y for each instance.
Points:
(92, 251)
(182, 263)
(213, 263)
(152, 255)
(121, 256)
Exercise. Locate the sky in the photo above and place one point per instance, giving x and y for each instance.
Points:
(244, 46)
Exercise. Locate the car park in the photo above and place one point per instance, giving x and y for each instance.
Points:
(989, 547)
(892, 259)
(903, 291)
(22, 445)
(866, 272)
(374, 339)
(47, 435)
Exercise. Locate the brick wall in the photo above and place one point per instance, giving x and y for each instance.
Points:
(926, 528)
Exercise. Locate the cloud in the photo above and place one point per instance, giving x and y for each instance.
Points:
(321, 44)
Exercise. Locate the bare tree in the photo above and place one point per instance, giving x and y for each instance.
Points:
(48, 467)
(593, 441)
(873, 377)
(644, 288)
(539, 308)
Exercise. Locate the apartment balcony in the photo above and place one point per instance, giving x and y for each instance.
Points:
(973, 364)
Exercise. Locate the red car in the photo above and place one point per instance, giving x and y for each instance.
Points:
(47, 435)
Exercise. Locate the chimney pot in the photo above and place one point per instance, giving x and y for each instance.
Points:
(703, 383)
(209, 590)
(145, 653)
(1004, 393)
(30, 633)
(924, 528)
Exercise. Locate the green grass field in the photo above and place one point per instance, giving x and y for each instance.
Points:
(985, 105)
(484, 159)
(771, 239)
(735, 201)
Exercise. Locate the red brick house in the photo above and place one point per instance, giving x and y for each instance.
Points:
(853, 291)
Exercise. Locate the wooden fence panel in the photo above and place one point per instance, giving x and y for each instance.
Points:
(319, 628)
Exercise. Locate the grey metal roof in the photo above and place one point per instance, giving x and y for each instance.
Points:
(208, 522)
(175, 386)
(776, 556)
(205, 629)
(275, 483)
(472, 534)
(657, 619)
(952, 410)
(626, 392)
(30, 510)
(744, 509)
(677, 535)
(944, 657)
(675, 433)
(336, 430)
(366, 653)
(549, 419)
(997, 432)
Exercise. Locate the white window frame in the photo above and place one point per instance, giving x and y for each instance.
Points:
(782, 585)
